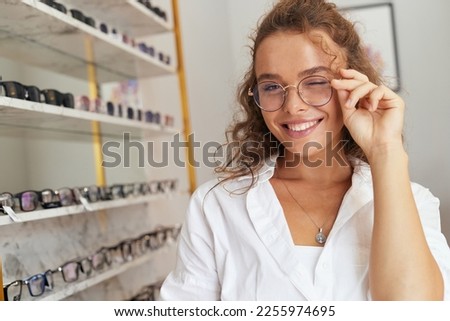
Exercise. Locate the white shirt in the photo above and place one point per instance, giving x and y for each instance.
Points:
(237, 246)
(309, 255)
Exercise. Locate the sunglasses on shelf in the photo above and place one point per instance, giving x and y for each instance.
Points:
(30, 200)
(14, 89)
(77, 14)
(55, 5)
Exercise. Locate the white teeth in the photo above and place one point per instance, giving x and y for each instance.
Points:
(302, 126)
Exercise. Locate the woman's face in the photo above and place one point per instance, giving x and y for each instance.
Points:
(287, 58)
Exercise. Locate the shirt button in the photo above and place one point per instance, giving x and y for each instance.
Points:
(324, 265)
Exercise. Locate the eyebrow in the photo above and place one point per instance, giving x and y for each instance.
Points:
(304, 73)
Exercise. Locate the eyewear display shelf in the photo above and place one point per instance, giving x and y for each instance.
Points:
(33, 33)
(58, 41)
(80, 209)
(28, 114)
(68, 289)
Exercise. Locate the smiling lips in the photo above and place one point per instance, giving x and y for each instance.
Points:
(301, 129)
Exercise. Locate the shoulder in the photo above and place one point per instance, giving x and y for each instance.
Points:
(422, 193)
(362, 172)
(233, 187)
(219, 190)
(425, 201)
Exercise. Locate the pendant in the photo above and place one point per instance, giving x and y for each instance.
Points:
(320, 237)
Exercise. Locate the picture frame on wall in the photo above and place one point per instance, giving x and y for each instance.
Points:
(375, 23)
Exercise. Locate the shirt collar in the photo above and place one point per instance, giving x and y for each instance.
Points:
(265, 172)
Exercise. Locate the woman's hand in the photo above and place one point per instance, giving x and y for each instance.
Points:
(372, 114)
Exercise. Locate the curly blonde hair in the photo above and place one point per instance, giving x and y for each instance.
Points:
(248, 130)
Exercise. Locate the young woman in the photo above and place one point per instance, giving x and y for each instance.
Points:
(317, 203)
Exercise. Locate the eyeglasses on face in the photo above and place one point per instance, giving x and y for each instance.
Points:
(315, 91)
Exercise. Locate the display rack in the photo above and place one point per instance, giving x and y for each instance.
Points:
(28, 114)
(58, 44)
(98, 277)
(32, 33)
(128, 15)
(80, 209)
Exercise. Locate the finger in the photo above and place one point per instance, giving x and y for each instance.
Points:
(375, 97)
(361, 92)
(353, 74)
(345, 84)
(347, 111)
(382, 93)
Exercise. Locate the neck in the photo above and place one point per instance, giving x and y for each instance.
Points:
(315, 172)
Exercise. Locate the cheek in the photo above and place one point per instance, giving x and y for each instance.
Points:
(269, 120)
(335, 110)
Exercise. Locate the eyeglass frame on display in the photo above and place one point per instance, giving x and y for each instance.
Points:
(29, 283)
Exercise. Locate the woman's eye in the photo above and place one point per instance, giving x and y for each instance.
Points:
(271, 87)
(316, 83)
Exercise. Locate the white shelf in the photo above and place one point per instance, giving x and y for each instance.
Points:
(79, 209)
(128, 16)
(36, 34)
(72, 288)
(28, 114)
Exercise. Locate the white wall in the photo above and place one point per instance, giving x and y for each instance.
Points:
(206, 43)
(424, 61)
(216, 34)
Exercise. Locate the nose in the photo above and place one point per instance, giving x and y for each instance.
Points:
(293, 103)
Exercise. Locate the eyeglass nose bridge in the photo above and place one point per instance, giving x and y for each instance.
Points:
(297, 90)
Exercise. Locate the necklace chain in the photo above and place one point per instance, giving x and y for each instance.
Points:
(320, 236)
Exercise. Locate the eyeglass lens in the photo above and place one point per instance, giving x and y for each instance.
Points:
(6, 199)
(70, 271)
(36, 284)
(315, 91)
(13, 291)
(28, 201)
(66, 196)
